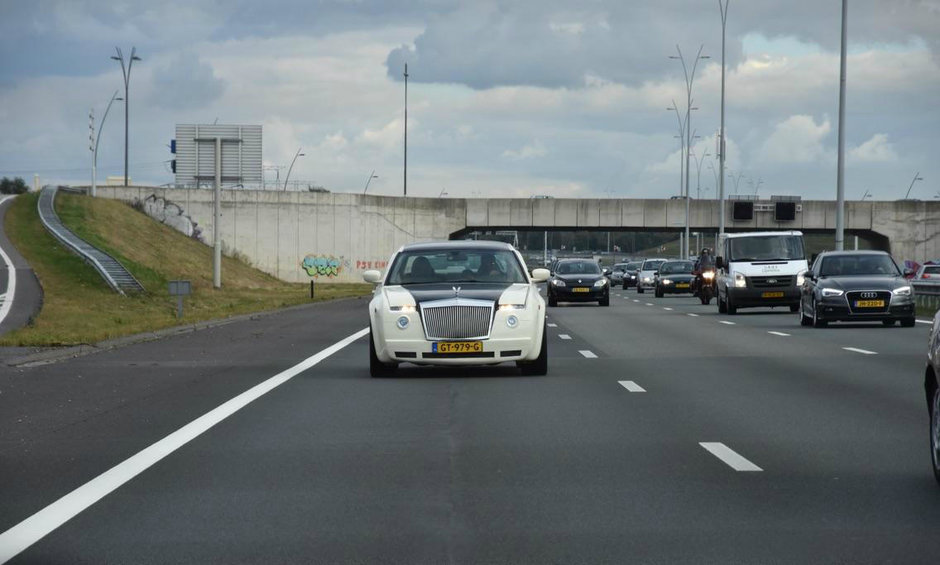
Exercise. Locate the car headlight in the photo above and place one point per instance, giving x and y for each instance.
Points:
(402, 322)
(558, 282)
(600, 283)
(647, 279)
(800, 279)
(512, 321)
(632, 276)
(830, 292)
(902, 291)
(709, 275)
(407, 308)
(740, 281)
(505, 307)
(667, 281)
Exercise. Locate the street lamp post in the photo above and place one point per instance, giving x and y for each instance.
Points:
(722, 148)
(126, 71)
(689, 80)
(682, 126)
(698, 175)
(405, 179)
(94, 146)
(917, 177)
(372, 175)
(840, 166)
(287, 178)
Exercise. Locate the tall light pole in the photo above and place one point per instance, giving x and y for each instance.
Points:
(372, 175)
(126, 71)
(917, 177)
(840, 173)
(722, 148)
(866, 195)
(405, 184)
(682, 126)
(298, 154)
(689, 79)
(94, 142)
(698, 174)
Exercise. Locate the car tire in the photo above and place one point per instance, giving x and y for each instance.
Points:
(539, 367)
(804, 319)
(888, 323)
(935, 433)
(625, 285)
(604, 301)
(722, 307)
(658, 293)
(794, 308)
(908, 322)
(732, 309)
(639, 289)
(377, 368)
(817, 321)
(552, 301)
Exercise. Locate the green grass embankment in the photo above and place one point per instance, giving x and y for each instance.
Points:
(79, 307)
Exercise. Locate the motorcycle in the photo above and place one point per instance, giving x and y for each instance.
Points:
(705, 285)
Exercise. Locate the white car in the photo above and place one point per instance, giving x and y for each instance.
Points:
(457, 303)
(646, 274)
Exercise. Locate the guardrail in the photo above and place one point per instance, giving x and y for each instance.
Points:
(927, 295)
(117, 277)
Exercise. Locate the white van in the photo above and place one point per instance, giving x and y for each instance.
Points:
(760, 269)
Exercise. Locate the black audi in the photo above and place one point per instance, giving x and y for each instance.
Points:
(578, 280)
(673, 277)
(856, 286)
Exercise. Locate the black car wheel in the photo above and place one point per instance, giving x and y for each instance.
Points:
(732, 309)
(908, 322)
(639, 289)
(658, 292)
(722, 307)
(552, 301)
(794, 307)
(604, 301)
(804, 319)
(377, 368)
(539, 367)
(817, 321)
(625, 285)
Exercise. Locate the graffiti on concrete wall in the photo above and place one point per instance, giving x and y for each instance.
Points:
(366, 265)
(323, 265)
(169, 213)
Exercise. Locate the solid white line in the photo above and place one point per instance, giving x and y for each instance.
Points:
(929, 322)
(588, 354)
(780, 334)
(37, 526)
(693, 315)
(632, 386)
(726, 322)
(665, 308)
(11, 278)
(551, 325)
(729, 456)
(564, 336)
(857, 350)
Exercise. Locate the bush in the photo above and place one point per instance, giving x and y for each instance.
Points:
(15, 186)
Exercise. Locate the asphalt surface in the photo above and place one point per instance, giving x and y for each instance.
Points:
(27, 296)
(485, 466)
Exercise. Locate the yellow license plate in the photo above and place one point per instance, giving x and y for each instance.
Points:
(580, 290)
(870, 304)
(771, 295)
(457, 347)
(682, 285)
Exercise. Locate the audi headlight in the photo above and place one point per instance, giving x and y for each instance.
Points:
(600, 283)
(558, 282)
(667, 281)
(709, 275)
(830, 292)
(740, 281)
(902, 291)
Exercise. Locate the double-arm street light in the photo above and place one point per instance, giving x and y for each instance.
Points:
(723, 7)
(698, 174)
(94, 143)
(682, 126)
(689, 80)
(126, 71)
(917, 177)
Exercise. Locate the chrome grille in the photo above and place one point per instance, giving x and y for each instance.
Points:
(854, 295)
(457, 319)
(772, 281)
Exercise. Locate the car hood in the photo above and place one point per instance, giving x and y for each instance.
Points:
(882, 282)
(491, 292)
(579, 279)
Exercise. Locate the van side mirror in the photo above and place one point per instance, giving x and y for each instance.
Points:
(719, 262)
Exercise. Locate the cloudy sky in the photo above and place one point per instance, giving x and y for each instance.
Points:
(567, 99)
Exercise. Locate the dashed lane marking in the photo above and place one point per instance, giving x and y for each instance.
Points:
(726, 322)
(649, 304)
(728, 456)
(635, 300)
(588, 354)
(632, 386)
(667, 308)
(781, 334)
(862, 351)
(564, 336)
(693, 315)
(552, 325)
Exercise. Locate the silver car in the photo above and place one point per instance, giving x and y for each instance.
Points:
(646, 278)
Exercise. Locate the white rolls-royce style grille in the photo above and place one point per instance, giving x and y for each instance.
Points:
(457, 319)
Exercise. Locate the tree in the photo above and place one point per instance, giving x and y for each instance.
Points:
(15, 186)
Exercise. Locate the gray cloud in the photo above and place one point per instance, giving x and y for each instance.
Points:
(185, 83)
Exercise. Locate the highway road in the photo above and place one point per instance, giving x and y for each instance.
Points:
(664, 433)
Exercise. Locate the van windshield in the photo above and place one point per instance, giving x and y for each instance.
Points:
(766, 248)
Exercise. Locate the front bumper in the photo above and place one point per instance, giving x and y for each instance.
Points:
(836, 309)
(629, 281)
(567, 294)
(495, 350)
(673, 289)
(770, 296)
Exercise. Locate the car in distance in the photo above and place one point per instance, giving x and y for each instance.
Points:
(856, 286)
(646, 275)
(630, 274)
(616, 274)
(933, 393)
(457, 303)
(673, 277)
(578, 280)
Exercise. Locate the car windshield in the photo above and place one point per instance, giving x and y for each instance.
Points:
(652, 264)
(578, 268)
(620, 267)
(766, 248)
(852, 265)
(675, 267)
(633, 266)
(455, 265)
(932, 270)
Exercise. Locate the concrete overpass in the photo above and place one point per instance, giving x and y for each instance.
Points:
(336, 236)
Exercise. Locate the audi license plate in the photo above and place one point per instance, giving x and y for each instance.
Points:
(581, 289)
(457, 347)
(771, 295)
(682, 285)
(869, 303)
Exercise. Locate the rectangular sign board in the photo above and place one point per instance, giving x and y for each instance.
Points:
(180, 288)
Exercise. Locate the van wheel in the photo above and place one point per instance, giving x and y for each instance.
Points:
(722, 307)
(732, 309)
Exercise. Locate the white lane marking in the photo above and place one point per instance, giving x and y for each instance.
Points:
(40, 524)
(564, 336)
(649, 304)
(929, 322)
(863, 351)
(632, 386)
(588, 354)
(11, 278)
(693, 315)
(665, 308)
(780, 334)
(551, 325)
(729, 456)
(726, 322)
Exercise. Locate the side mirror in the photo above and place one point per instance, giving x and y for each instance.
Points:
(606, 272)
(720, 262)
(655, 273)
(540, 275)
(372, 277)
(908, 273)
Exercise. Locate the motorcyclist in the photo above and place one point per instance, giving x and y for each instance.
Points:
(704, 275)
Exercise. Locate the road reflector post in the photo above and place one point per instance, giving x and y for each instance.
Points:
(179, 289)
(311, 288)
